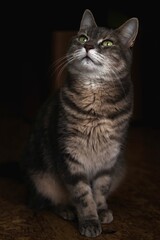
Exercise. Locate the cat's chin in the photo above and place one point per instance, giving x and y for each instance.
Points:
(83, 65)
(88, 64)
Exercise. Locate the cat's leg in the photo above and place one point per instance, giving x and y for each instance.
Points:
(101, 187)
(82, 197)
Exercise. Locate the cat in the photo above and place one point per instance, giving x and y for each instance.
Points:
(74, 158)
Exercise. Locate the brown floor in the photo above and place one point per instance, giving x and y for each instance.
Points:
(136, 204)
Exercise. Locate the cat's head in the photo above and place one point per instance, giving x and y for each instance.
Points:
(101, 51)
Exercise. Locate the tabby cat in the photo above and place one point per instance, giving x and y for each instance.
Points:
(74, 158)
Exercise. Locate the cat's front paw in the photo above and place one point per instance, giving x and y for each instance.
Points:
(90, 228)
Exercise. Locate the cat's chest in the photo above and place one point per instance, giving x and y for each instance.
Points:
(94, 148)
(95, 160)
(92, 101)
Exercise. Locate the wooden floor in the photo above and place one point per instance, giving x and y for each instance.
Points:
(136, 204)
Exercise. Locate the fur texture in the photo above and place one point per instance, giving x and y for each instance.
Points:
(74, 158)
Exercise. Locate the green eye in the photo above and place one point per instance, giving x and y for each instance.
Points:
(107, 43)
(82, 39)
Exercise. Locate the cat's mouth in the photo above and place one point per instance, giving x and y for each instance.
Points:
(87, 59)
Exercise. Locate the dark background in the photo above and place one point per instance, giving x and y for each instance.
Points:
(27, 33)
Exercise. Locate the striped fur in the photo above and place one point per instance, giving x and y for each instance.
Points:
(74, 158)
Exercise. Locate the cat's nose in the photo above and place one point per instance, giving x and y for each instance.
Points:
(88, 46)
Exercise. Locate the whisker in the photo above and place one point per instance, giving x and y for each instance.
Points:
(59, 63)
(54, 66)
(62, 66)
(98, 57)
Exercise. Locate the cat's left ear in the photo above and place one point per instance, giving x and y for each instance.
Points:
(128, 31)
(87, 20)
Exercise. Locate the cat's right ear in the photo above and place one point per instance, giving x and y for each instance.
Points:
(87, 20)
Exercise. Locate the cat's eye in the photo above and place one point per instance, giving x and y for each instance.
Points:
(82, 39)
(107, 43)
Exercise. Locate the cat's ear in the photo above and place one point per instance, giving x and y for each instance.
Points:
(128, 31)
(87, 20)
